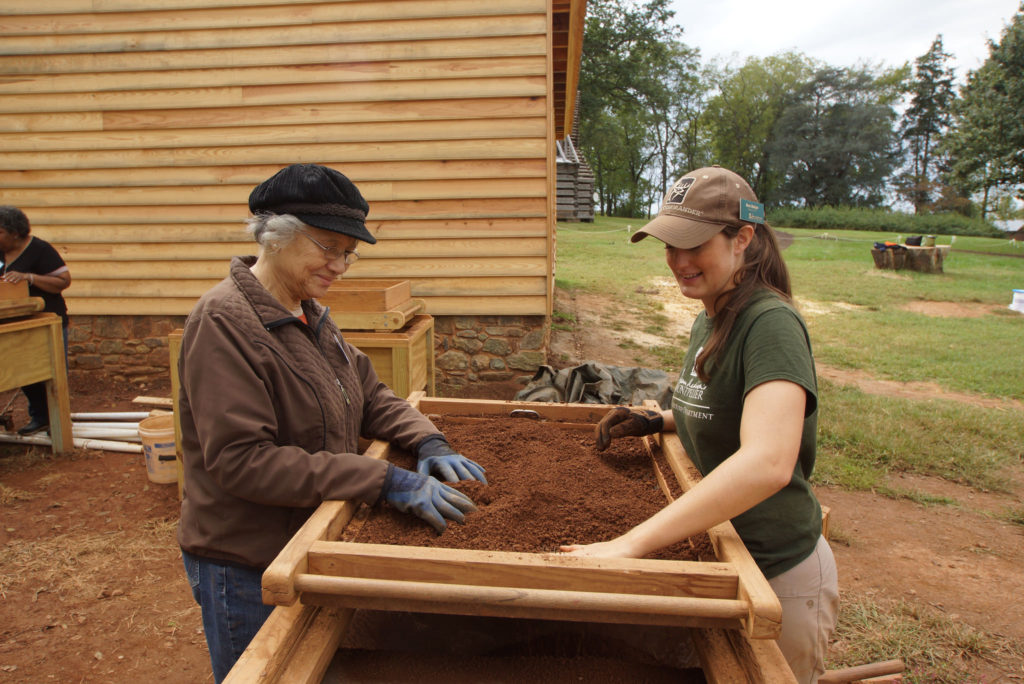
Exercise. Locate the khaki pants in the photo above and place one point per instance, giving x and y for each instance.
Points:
(809, 594)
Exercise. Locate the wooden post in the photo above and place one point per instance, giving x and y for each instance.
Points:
(174, 348)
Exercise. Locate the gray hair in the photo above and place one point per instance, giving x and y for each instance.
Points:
(273, 231)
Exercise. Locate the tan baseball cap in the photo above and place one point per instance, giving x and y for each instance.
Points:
(699, 205)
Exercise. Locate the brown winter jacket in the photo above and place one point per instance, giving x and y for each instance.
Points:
(271, 412)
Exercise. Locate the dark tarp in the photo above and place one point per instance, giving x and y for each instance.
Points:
(596, 383)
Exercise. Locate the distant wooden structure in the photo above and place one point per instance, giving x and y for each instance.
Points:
(131, 133)
(575, 178)
(911, 258)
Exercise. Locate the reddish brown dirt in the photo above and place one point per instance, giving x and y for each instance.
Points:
(547, 486)
(91, 583)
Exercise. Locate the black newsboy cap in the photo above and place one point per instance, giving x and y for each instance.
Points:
(316, 195)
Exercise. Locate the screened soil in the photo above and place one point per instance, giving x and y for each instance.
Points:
(547, 485)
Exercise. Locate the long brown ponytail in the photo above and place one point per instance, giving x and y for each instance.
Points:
(762, 268)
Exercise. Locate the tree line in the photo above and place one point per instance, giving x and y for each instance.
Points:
(803, 133)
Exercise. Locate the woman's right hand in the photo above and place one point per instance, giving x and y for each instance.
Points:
(614, 548)
(426, 497)
(624, 421)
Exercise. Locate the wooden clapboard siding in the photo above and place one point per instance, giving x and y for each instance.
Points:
(481, 248)
(277, 135)
(460, 48)
(279, 155)
(234, 231)
(230, 17)
(301, 34)
(497, 67)
(440, 306)
(256, 95)
(132, 133)
(373, 191)
(401, 171)
(328, 112)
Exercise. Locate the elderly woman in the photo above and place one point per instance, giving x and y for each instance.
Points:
(26, 258)
(274, 401)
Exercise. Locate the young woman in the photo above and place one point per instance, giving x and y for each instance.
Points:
(745, 408)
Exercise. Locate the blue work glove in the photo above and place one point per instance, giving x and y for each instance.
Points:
(425, 496)
(436, 457)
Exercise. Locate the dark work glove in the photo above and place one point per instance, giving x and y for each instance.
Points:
(426, 497)
(623, 421)
(436, 457)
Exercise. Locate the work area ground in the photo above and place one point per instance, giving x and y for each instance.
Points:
(92, 588)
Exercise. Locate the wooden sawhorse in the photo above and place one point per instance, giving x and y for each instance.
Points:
(32, 350)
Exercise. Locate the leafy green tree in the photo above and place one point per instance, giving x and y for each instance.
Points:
(986, 143)
(627, 51)
(835, 143)
(925, 120)
(742, 115)
(676, 119)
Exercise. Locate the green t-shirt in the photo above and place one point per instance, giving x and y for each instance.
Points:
(769, 341)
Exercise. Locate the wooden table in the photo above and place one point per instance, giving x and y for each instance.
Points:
(33, 351)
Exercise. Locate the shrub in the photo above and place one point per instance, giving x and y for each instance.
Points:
(853, 218)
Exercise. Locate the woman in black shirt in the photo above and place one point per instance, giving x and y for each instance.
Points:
(35, 261)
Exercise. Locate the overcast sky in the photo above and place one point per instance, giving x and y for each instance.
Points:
(844, 32)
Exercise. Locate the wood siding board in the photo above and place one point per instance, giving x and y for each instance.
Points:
(280, 155)
(205, 18)
(482, 248)
(464, 47)
(234, 231)
(362, 173)
(19, 7)
(328, 112)
(471, 129)
(181, 306)
(297, 94)
(156, 283)
(373, 191)
(91, 271)
(185, 213)
(321, 72)
(306, 34)
(389, 268)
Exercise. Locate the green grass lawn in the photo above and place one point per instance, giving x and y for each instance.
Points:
(871, 332)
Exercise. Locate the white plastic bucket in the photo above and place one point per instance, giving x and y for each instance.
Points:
(157, 435)
(1017, 304)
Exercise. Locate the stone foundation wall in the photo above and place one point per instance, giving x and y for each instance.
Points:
(467, 349)
(124, 347)
(471, 349)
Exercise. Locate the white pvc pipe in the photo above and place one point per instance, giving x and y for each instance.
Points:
(116, 425)
(98, 444)
(119, 435)
(114, 415)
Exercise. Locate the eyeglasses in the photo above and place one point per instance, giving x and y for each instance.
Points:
(332, 253)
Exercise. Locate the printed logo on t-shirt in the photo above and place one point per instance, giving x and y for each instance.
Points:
(689, 394)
